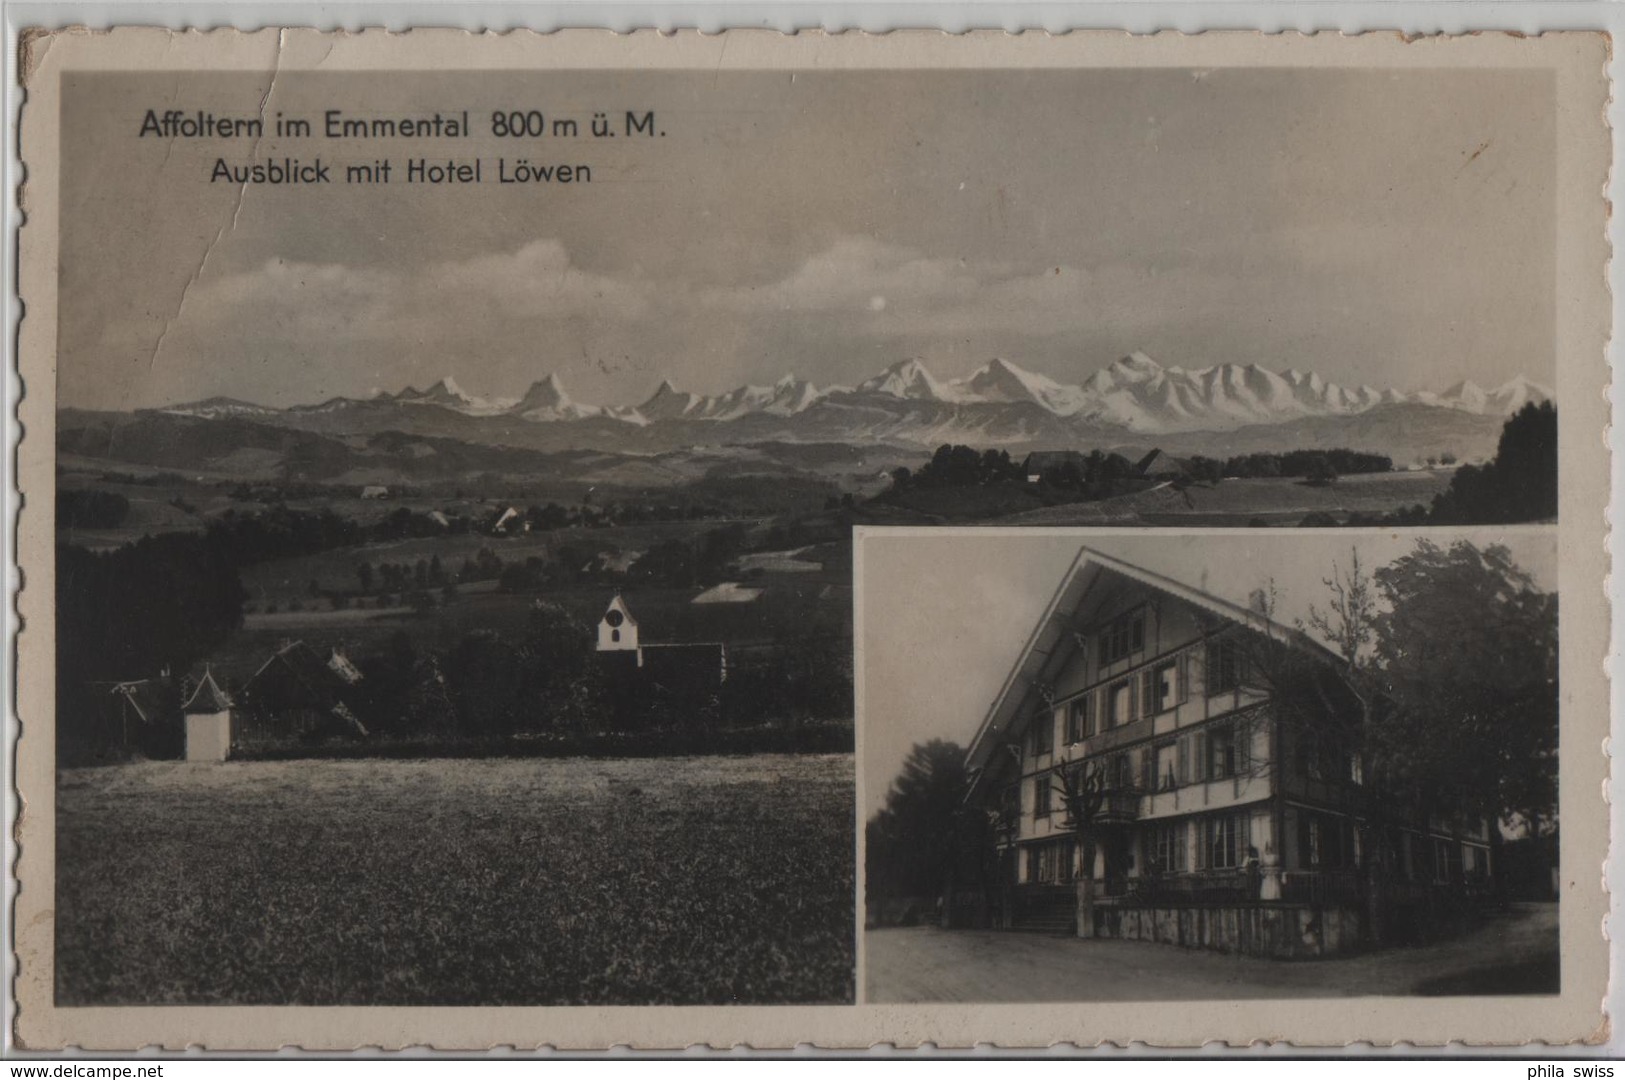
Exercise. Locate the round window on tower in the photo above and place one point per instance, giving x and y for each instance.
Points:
(614, 618)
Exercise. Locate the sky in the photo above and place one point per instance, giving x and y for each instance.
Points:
(1394, 228)
(944, 614)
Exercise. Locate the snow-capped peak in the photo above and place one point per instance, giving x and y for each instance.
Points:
(1134, 392)
(1001, 381)
(546, 400)
(907, 379)
(1138, 365)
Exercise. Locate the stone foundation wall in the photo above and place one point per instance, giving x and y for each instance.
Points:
(1271, 930)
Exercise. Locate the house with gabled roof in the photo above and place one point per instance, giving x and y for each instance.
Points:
(143, 715)
(299, 693)
(1158, 465)
(1137, 701)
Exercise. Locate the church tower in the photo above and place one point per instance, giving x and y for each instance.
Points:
(617, 630)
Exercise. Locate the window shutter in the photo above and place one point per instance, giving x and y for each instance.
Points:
(1200, 767)
(1182, 752)
(1244, 838)
(1148, 692)
(1202, 826)
(1148, 769)
(1182, 680)
(1244, 747)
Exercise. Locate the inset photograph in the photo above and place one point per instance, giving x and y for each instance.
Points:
(1115, 767)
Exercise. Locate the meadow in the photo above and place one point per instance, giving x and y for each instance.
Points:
(1281, 501)
(699, 880)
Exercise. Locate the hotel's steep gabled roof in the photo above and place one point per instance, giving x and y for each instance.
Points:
(1051, 640)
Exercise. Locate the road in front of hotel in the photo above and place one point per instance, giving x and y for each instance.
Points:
(1513, 953)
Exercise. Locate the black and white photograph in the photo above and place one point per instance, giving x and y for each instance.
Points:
(591, 522)
(1326, 766)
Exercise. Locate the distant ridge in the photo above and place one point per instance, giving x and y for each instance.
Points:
(1000, 401)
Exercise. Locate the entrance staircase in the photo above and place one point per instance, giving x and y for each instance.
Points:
(1045, 910)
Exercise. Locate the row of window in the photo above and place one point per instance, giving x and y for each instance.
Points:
(1215, 842)
(1216, 752)
(1139, 695)
(1224, 842)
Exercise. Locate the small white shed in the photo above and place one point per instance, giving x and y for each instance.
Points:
(208, 722)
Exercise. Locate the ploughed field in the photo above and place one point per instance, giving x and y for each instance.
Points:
(701, 880)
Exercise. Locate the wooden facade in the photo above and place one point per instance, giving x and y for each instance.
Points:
(1207, 796)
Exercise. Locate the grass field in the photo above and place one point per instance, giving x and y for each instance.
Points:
(1277, 501)
(471, 882)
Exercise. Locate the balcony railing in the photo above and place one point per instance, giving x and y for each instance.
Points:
(1119, 806)
(1320, 886)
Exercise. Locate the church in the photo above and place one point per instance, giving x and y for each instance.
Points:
(655, 681)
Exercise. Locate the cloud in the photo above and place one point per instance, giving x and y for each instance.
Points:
(334, 303)
(895, 290)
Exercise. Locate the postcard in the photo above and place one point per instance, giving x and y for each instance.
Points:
(652, 539)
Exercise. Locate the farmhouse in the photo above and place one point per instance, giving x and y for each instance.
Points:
(141, 705)
(298, 694)
(1215, 821)
(509, 520)
(1160, 466)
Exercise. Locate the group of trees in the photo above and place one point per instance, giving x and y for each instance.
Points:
(161, 603)
(960, 466)
(1520, 484)
(489, 685)
(684, 563)
(927, 835)
(1312, 465)
(1099, 474)
(546, 679)
(1442, 698)
(76, 509)
(394, 577)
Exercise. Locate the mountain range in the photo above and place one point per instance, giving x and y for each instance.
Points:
(999, 403)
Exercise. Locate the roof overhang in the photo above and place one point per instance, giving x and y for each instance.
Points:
(1051, 640)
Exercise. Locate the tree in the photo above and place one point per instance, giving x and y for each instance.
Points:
(485, 679)
(915, 843)
(1442, 698)
(162, 602)
(561, 676)
(1083, 790)
(1319, 471)
(363, 573)
(1468, 648)
(1334, 716)
(1519, 485)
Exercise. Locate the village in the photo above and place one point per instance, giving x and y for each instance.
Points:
(294, 671)
(319, 665)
